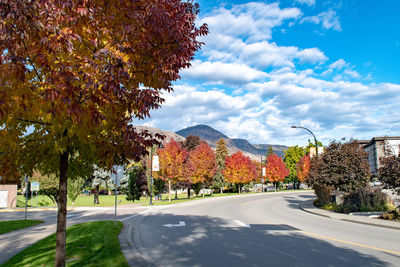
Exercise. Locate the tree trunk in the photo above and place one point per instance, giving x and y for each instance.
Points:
(169, 190)
(275, 185)
(96, 194)
(176, 194)
(221, 190)
(239, 188)
(189, 191)
(203, 191)
(62, 210)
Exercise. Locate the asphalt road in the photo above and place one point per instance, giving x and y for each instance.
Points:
(254, 230)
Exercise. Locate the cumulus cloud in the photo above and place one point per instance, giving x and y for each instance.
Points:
(307, 2)
(327, 19)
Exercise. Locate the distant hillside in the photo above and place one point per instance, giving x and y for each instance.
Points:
(205, 133)
(168, 134)
(211, 136)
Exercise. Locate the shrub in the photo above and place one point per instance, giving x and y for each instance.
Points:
(365, 199)
(323, 194)
(392, 215)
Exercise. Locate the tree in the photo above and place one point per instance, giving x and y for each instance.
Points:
(137, 183)
(239, 169)
(389, 172)
(270, 151)
(292, 156)
(75, 188)
(75, 73)
(202, 159)
(343, 166)
(172, 163)
(276, 170)
(190, 143)
(303, 168)
(220, 154)
(100, 179)
(48, 185)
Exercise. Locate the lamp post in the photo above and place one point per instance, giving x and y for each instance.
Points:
(315, 139)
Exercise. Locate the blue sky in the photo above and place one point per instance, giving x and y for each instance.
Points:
(330, 66)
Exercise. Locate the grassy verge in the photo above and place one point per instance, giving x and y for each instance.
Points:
(8, 226)
(92, 243)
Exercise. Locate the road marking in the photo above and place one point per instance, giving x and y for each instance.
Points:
(243, 224)
(124, 219)
(349, 242)
(83, 215)
(170, 225)
(339, 240)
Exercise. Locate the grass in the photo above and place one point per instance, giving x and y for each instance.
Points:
(8, 226)
(88, 244)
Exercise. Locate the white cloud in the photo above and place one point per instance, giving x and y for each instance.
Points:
(307, 2)
(328, 20)
(230, 73)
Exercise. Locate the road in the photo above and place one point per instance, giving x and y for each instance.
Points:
(254, 230)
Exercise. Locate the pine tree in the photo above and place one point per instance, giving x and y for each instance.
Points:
(221, 154)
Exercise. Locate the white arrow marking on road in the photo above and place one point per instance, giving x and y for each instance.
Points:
(170, 225)
(243, 224)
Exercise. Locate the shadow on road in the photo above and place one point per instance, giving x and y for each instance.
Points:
(294, 202)
(209, 241)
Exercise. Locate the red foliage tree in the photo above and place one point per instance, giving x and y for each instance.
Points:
(239, 169)
(303, 168)
(276, 170)
(76, 72)
(202, 160)
(172, 163)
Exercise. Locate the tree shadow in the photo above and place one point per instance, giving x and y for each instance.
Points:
(296, 202)
(209, 241)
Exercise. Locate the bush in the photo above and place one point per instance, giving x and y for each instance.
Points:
(365, 199)
(392, 215)
(323, 193)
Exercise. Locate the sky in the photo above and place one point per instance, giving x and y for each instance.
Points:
(330, 66)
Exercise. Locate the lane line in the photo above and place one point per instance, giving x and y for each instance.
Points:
(83, 215)
(243, 224)
(124, 219)
(339, 240)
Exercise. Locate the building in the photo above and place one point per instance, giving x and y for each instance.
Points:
(376, 150)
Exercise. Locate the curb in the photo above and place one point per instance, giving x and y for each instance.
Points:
(350, 218)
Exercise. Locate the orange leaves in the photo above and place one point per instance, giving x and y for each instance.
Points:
(172, 161)
(303, 168)
(239, 169)
(276, 170)
(202, 160)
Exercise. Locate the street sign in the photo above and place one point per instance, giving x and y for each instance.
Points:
(156, 164)
(263, 171)
(34, 186)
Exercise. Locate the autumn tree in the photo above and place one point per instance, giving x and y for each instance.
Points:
(172, 159)
(343, 166)
(75, 73)
(389, 172)
(275, 169)
(190, 143)
(239, 169)
(291, 157)
(221, 153)
(303, 168)
(202, 159)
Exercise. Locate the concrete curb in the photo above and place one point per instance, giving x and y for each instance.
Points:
(308, 206)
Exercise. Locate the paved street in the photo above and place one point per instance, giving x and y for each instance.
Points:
(254, 230)
(15, 241)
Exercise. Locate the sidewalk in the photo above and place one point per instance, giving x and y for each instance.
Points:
(309, 207)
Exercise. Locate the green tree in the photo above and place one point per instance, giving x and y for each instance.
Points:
(48, 185)
(270, 151)
(75, 188)
(137, 183)
(220, 155)
(292, 156)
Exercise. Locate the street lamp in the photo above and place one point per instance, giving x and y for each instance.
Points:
(315, 139)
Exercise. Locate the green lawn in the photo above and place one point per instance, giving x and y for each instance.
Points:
(88, 244)
(8, 226)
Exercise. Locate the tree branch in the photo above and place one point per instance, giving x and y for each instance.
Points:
(36, 122)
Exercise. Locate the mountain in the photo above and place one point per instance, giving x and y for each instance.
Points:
(211, 136)
(205, 133)
(168, 134)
